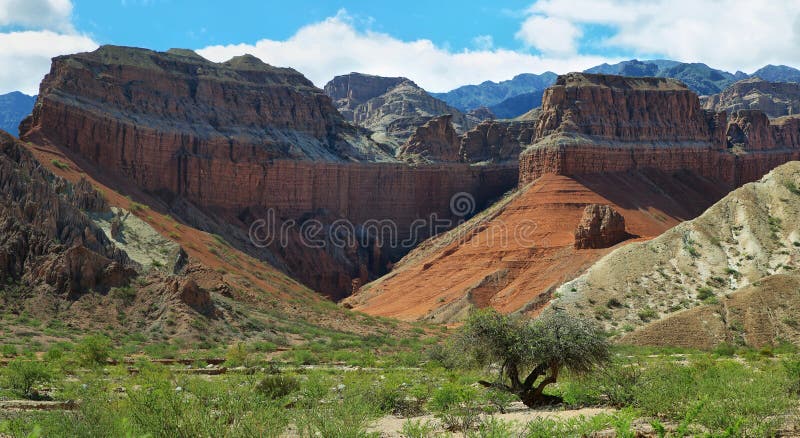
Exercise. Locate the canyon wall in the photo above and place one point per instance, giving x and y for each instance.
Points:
(240, 138)
(601, 123)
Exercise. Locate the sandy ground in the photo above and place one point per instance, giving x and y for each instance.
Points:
(390, 426)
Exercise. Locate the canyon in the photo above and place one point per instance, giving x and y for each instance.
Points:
(241, 138)
(644, 147)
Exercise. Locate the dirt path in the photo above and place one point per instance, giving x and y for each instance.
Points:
(390, 426)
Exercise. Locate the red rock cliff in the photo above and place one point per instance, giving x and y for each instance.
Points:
(601, 123)
(239, 138)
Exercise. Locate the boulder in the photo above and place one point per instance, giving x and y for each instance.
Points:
(600, 227)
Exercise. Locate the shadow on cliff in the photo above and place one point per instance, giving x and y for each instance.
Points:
(683, 195)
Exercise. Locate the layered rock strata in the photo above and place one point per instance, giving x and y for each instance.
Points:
(775, 99)
(393, 108)
(602, 123)
(240, 139)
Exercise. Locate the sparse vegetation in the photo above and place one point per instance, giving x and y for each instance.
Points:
(59, 164)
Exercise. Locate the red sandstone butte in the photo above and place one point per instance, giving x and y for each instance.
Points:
(240, 137)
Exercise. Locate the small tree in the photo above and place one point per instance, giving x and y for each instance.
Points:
(23, 375)
(540, 347)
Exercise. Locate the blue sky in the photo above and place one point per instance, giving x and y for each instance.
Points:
(162, 24)
(438, 44)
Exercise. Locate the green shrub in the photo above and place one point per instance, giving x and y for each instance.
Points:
(277, 386)
(23, 375)
(237, 355)
(647, 314)
(93, 350)
(8, 350)
(59, 164)
(418, 429)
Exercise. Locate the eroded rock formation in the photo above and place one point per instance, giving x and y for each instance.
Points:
(393, 108)
(600, 227)
(435, 141)
(496, 141)
(241, 138)
(775, 99)
(601, 123)
(45, 237)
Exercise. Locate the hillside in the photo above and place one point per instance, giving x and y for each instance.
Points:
(78, 256)
(777, 73)
(392, 108)
(751, 234)
(656, 160)
(14, 107)
(776, 99)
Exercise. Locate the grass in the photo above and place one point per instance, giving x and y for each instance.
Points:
(59, 164)
(728, 392)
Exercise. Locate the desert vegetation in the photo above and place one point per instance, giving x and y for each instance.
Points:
(424, 384)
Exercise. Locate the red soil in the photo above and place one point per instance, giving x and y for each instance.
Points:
(512, 274)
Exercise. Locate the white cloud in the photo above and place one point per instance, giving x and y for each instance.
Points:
(37, 14)
(552, 36)
(334, 46)
(726, 34)
(25, 55)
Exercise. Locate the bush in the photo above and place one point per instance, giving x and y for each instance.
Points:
(418, 429)
(22, 376)
(277, 386)
(8, 350)
(93, 350)
(237, 355)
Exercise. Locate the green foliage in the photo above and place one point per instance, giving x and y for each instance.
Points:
(237, 355)
(647, 314)
(93, 350)
(418, 429)
(277, 386)
(59, 164)
(8, 350)
(23, 375)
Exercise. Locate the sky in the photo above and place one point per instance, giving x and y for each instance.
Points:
(439, 44)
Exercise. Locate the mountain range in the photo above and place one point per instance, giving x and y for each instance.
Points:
(511, 98)
(14, 107)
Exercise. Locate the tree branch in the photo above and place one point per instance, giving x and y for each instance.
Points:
(531, 379)
(495, 385)
(551, 378)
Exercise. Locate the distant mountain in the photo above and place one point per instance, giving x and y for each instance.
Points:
(777, 73)
(776, 99)
(517, 105)
(634, 67)
(701, 78)
(491, 93)
(509, 99)
(14, 107)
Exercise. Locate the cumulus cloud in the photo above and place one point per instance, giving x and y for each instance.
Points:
(552, 36)
(46, 31)
(727, 34)
(26, 56)
(334, 46)
(37, 14)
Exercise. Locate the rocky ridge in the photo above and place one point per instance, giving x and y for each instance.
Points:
(600, 123)
(775, 99)
(637, 145)
(751, 234)
(393, 108)
(226, 145)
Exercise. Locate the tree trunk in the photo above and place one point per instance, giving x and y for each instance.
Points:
(533, 399)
